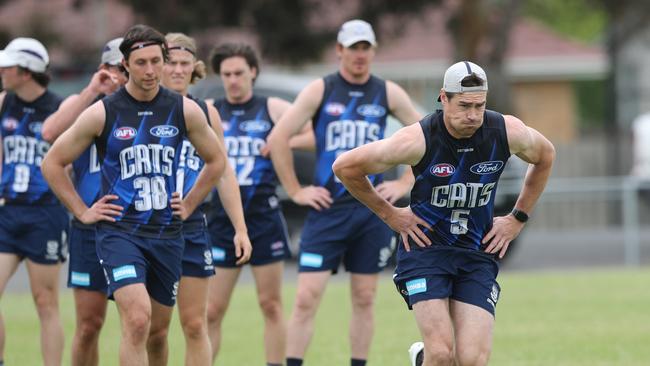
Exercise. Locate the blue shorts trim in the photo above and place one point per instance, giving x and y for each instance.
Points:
(440, 272)
(351, 234)
(38, 233)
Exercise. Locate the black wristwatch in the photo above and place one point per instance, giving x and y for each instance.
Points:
(521, 216)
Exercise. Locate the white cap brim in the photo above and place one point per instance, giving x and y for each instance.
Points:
(353, 40)
(6, 60)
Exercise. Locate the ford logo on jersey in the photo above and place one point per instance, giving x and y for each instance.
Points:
(334, 109)
(442, 170)
(164, 131)
(255, 126)
(125, 133)
(486, 167)
(371, 110)
(36, 127)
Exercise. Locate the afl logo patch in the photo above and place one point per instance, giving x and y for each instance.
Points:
(10, 124)
(164, 131)
(125, 133)
(255, 126)
(486, 167)
(371, 110)
(334, 109)
(36, 127)
(442, 170)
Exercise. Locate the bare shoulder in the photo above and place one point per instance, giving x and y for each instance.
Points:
(519, 137)
(92, 119)
(400, 104)
(191, 108)
(2, 97)
(277, 107)
(312, 93)
(408, 142)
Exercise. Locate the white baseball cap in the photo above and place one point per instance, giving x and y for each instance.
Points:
(459, 71)
(111, 53)
(354, 31)
(25, 52)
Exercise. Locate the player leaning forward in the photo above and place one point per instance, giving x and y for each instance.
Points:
(139, 131)
(447, 265)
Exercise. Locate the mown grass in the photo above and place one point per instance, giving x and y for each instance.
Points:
(587, 317)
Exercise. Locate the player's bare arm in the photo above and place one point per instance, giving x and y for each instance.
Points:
(210, 149)
(402, 108)
(530, 146)
(290, 124)
(102, 82)
(406, 146)
(304, 140)
(66, 149)
(230, 196)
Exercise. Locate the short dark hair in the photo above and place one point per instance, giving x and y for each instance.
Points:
(470, 80)
(228, 50)
(41, 78)
(142, 33)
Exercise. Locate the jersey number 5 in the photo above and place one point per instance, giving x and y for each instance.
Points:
(459, 222)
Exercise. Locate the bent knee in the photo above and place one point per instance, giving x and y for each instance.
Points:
(439, 355)
(477, 357)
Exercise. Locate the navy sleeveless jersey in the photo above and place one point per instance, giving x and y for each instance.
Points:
(139, 152)
(189, 167)
(246, 127)
(456, 180)
(24, 149)
(350, 115)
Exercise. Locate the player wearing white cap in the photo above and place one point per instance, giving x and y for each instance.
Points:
(347, 109)
(85, 274)
(32, 221)
(447, 262)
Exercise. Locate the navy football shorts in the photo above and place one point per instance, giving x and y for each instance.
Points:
(268, 235)
(350, 233)
(441, 271)
(84, 270)
(128, 259)
(197, 255)
(38, 233)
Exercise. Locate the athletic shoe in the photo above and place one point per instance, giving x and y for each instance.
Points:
(416, 354)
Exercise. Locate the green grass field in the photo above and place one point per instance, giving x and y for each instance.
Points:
(590, 317)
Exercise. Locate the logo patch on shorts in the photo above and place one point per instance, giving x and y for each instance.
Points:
(80, 278)
(207, 256)
(416, 286)
(52, 250)
(311, 260)
(218, 254)
(494, 296)
(123, 272)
